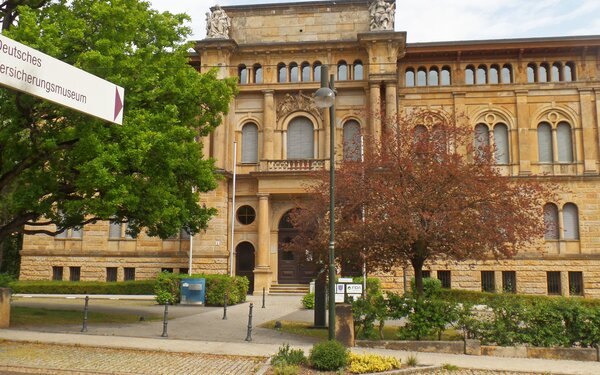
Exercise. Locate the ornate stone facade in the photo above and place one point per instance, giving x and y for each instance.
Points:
(538, 98)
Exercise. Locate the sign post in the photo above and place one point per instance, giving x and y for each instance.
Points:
(28, 70)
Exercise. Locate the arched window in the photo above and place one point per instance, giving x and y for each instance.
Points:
(446, 80)
(281, 73)
(507, 74)
(409, 77)
(434, 77)
(494, 74)
(422, 77)
(317, 71)
(250, 143)
(481, 139)
(569, 72)
(570, 222)
(531, 73)
(551, 230)
(352, 146)
(544, 133)
(470, 75)
(342, 71)
(543, 73)
(305, 71)
(300, 137)
(294, 72)
(501, 144)
(564, 142)
(481, 75)
(557, 72)
(258, 73)
(358, 71)
(243, 74)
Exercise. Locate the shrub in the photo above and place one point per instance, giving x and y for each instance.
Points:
(429, 316)
(308, 301)
(5, 279)
(431, 287)
(328, 356)
(139, 287)
(367, 363)
(236, 288)
(286, 356)
(286, 369)
(370, 309)
(167, 289)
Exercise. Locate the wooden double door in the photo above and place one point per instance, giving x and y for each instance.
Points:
(293, 267)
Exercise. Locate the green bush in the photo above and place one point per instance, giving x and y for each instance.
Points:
(329, 356)
(286, 356)
(5, 279)
(286, 370)
(431, 287)
(430, 316)
(216, 286)
(139, 287)
(308, 301)
(370, 309)
(167, 288)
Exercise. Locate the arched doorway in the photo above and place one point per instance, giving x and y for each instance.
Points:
(244, 262)
(293, 268)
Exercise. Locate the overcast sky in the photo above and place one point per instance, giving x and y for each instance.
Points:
(440, 20)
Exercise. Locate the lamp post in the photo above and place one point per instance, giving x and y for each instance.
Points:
(325, 98)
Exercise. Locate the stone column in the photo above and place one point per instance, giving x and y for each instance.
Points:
(526, 153)
(589, 136)
(391, 105)
(375, 108)
(4, 307)
(269, 125)
(262, 271)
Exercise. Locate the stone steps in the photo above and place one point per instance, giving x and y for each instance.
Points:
(288, 289)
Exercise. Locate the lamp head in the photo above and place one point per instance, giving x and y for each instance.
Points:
(324, 97)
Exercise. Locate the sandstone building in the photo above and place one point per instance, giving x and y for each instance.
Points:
(537, 99)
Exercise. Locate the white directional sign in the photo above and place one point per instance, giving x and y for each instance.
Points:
(26, 69)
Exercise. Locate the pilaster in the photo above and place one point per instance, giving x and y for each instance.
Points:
(262, 272)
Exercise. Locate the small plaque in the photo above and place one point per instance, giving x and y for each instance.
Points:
(339, 298)
(354, 288)
(339, 288)
(185, 285)
(196, 287)
(345, 280)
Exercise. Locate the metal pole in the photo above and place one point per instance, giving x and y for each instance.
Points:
(331, 214)
(85, 314)
(165, 320)
(233, 208)
(225, 306)
(364, 255)
(249, 335)
(263, 306)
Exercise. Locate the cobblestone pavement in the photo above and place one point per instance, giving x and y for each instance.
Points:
(59, 359)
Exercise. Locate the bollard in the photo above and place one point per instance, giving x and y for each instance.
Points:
(85, 314)
(165, 321)
(225, 307)
(249, 335)
(263, 306)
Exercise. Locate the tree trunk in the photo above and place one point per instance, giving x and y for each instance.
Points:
(418, 268)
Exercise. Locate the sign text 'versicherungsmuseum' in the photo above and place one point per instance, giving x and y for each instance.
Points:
(26, 69)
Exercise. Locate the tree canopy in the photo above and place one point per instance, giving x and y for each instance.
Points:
(425, 193)
(61, 167)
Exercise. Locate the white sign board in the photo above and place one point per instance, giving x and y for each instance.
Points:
(354, 288)
(26, 69)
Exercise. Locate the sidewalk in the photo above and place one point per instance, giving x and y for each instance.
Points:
(206, 332)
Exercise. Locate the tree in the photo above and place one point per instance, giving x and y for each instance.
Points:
(425, 193)
(61, 169)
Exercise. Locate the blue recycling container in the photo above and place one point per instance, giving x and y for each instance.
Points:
(193, 291)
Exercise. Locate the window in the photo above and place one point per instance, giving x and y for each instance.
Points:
(409, 77)
(168, 270)
(74, 273)
(509, 281)
(556, 72)
(111, 274)
(506, 74)
(57, 273)
(481, 75)
(569, 72)
(434, 77)
(445, 279)
(544, 133)
(543, 73)
(294, 72)
(305, 71)
(246, 215)
(118, 231)
(494, 74)
(243, 74)
(488, 281)
(258, 73)
(342, 71)
(576, 283)
(281, 73)
(470, 75)
(250, 143)
(73, 233)
(531, 73)
(481, 140)
(426, 274)
(317, 71)
(184, 270)
(129, 273)
(501, 151)
(570, 222)
(358, 71)
(352, 141)
(550, 222)
(421, 77)
(300, 135)
(446, 80)
(553, 282)
(564, 143)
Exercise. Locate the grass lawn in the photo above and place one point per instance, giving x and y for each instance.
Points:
(34, 316)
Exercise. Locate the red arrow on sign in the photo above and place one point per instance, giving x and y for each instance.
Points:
(118, 103)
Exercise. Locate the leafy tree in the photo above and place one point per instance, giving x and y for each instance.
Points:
(422, 194)
(61, 169)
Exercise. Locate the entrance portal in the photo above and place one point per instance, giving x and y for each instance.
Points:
(293, 267)
(244, 263)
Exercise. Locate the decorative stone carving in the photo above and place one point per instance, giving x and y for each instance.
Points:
(217, 23)
(290, 103)
(382, 15)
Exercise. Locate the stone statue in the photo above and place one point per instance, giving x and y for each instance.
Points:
(382, 15)
(217, 23)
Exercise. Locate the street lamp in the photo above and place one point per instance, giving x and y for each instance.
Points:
(325, 98)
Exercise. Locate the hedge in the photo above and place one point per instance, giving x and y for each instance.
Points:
(138, 287)
(167, 288)
(481, 298)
